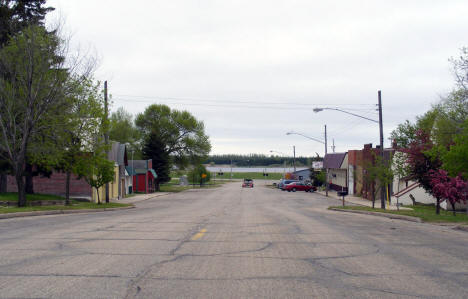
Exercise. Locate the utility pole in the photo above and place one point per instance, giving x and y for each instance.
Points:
(382, 191)
(294, 158)
(106, 133)
(333, 146)
(326, 169)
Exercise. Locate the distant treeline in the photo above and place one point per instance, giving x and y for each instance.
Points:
(258, 160)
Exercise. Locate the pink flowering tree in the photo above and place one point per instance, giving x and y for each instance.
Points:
(447, 188)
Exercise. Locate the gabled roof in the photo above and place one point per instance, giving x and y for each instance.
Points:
(334, 160)
(117, 153)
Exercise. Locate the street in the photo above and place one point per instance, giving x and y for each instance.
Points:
(230, 242)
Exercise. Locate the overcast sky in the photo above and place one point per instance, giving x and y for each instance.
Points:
(254, 70)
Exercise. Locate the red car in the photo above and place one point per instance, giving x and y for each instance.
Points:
(299, 186)
(248, 183)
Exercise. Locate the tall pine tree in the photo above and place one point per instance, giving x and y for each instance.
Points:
(155, 149)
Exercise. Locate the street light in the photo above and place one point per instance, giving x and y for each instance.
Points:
(379, 104)
(311, 138)
(347, 112)
(284, 160)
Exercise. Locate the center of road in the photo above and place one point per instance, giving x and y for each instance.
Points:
(198, 235)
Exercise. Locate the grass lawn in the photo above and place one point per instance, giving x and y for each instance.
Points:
(11, 196)
(249, 175)
(425, 212)
(75, 205)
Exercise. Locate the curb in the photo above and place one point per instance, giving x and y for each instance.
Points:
(461, 227)
(140, 200)
(391, 216)
(57, 212)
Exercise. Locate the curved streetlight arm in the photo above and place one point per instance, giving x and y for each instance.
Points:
(357, 115)
(314, 139)
(272, 151)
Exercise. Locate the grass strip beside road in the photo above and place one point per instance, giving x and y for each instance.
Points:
(13, 197)
(425, 212)
(74, 206)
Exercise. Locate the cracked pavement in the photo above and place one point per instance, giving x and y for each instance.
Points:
(230, 242)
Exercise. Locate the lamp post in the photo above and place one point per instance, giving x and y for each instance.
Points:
(284, 160)
(379, 104)
(320, 141)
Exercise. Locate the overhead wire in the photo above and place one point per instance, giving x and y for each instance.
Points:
(234, 103)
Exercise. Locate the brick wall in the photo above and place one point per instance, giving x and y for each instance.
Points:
(54, 185)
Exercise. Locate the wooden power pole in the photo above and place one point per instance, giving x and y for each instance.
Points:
(106, 132)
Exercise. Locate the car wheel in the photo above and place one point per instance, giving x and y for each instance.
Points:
(293, 189)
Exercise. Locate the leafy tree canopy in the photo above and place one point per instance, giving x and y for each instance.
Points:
(181, 134)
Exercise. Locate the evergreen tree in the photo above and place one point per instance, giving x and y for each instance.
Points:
(154, 149)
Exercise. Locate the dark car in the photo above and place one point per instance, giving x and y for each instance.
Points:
(248, 183)
(283, 183)
(299, 186)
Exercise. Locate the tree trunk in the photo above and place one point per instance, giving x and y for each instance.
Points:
(67, 189)
(438, 206)
(21, 190)
(98, 200)
(157, 186)
(29, 179)
(373, 196)
(3, 183)
(453, 208)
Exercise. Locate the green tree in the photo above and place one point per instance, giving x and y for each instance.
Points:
(318, 177)
(404, 134)
(155, 150)
(32, 80)
(455, 160)
(15, 15)
(96, 169)
(379, 174)
(123, 130)
(81, 125)
(175, 134)
(199, 175)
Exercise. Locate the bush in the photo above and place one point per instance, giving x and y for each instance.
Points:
(195, 175)
(318, 177)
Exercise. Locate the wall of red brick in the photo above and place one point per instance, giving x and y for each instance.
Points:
(54, 185)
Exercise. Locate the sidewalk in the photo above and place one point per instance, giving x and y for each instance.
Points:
(139, 197)
(358, 200)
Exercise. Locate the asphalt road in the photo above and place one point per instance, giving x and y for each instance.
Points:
(230, 242)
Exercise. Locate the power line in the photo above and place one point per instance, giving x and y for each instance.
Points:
(236, 104)
(235, 101)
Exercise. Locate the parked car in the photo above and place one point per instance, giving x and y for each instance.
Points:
(284, 182)
(248, 183)
(299, 186)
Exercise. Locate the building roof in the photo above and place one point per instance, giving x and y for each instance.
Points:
(117, 153)
(153, 172)
(334, 160)
(302, 171)
(135, 171)
(138, 163)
